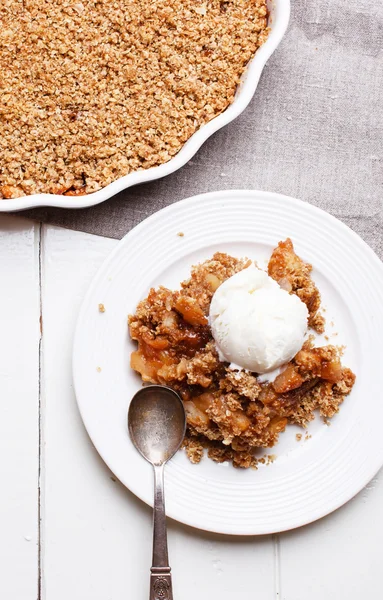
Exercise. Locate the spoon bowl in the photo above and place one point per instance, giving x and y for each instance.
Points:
(157, 423)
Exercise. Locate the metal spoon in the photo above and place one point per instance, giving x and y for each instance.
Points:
(157, 424)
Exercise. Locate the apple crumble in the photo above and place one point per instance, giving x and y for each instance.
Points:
(232, 413)
(92, 90)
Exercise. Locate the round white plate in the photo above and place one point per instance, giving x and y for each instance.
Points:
(309, 478)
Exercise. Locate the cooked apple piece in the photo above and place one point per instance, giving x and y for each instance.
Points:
(213, 281)
(309, 361)
(191, 312)
(267, 395)
(195, 416)
(288, 380)
(158, 343)
(332, 371)
(146, 367)
(277, 424)
(204, 401)
(238, 420)
(321, 362)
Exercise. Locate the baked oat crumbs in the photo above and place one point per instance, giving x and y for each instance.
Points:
(91, 90)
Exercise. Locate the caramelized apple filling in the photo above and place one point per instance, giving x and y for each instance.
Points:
(231, 413)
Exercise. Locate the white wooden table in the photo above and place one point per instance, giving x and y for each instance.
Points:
(68, 529)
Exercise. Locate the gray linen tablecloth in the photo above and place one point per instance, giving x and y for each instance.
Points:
(313, 130)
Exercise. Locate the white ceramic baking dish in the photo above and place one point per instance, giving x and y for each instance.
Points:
(279, 19)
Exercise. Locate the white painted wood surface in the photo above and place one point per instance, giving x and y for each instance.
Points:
(95, 536)
(19, 408)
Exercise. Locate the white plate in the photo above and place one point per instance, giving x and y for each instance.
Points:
(279, 19)
(308, 479)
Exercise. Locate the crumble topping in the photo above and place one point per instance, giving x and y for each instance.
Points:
(294, 275)
(95, 89)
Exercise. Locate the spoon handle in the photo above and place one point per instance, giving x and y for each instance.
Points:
(161, 579)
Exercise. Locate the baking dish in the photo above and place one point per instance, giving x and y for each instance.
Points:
(278, 21)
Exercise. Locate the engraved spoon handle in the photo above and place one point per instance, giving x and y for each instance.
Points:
(160, 579)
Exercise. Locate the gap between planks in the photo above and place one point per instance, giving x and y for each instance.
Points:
(40, 469)
(277, 566)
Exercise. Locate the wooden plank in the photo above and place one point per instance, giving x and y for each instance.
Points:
(207, 566)
(19, 407)
(338, 557)
(96, 535)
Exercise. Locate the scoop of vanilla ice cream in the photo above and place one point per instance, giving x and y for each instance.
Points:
(256, 325)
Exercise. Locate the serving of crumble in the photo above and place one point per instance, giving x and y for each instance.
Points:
(92, 90)
(230, 412)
